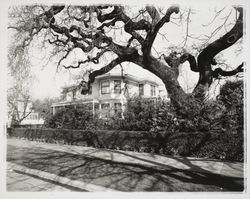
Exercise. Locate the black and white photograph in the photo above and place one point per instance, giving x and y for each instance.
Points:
(108, 96)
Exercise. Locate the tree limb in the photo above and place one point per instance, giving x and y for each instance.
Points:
(146, 48)
(225, 41)
(191, 59)
(174, 61)
(206, 57)
(99, 72)
(219, 71)
(154, 14)
(95, 60)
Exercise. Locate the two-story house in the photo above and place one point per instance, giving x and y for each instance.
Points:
(108, 94)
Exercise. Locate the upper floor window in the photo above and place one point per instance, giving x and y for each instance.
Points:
(105, 87)
(152, 90)
(117, 86)
(141, 89)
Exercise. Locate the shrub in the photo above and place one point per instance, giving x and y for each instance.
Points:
(70, 118)
(213, 128)
(139, 114)
(231, 95)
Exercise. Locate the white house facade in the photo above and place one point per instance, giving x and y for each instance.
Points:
(108, 94)
(24, 113)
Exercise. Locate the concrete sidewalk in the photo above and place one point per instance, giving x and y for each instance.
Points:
(22, 181)
(225, 168)
(20, 178)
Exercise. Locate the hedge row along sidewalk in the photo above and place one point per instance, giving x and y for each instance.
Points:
(105, 167)
(195, 144)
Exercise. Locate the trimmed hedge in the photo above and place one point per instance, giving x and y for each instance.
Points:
(196, 144)
(125, 140)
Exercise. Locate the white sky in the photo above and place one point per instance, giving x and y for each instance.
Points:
(48, 81)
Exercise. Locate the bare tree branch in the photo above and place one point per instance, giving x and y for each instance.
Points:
(219, 72)
(191, 59)
(155, 16)
(146, 48)
(206, 57)
(87, 28)
(225, 41)
(94, 74)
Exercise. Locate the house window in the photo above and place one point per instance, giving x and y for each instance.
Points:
(118, 109)
(105, 87)
(152, 90)
(96, 107)
(105, 110)
(141, 89)
(117, 86)
(64, 96)
(105, 106)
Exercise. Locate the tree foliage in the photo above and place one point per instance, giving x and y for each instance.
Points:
(139, 114)
(69, 118)
(232, 94)
(232, 97)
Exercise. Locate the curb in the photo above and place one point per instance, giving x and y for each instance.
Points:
(62, 180)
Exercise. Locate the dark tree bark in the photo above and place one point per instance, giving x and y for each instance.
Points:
(75, 36)
(205, 58)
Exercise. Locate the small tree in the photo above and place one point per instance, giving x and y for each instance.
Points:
(19, 81)
(19, 104)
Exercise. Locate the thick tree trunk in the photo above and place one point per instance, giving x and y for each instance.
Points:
(168, 76)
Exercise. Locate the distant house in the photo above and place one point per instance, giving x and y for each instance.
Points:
(108, 94)
(24, 114)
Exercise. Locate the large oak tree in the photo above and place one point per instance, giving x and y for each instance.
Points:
(85, 28)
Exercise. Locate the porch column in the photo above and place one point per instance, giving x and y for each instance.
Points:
(123, 107)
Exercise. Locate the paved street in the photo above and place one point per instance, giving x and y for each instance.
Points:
(123, 171)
